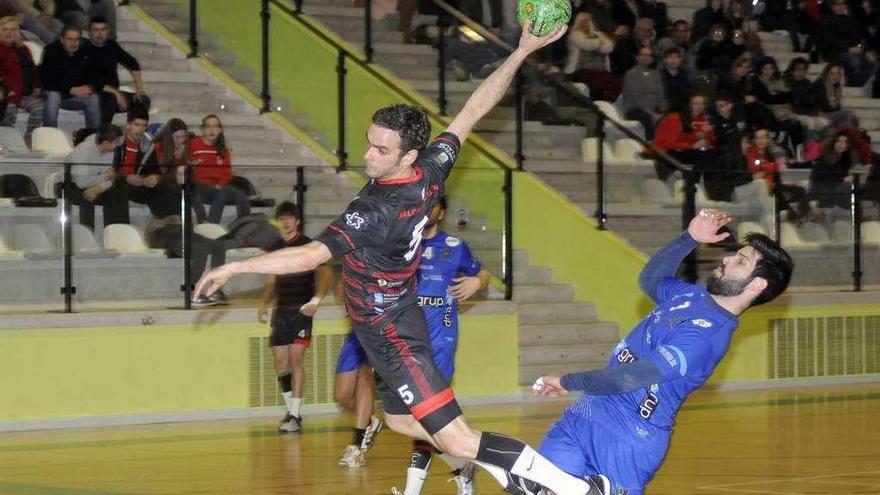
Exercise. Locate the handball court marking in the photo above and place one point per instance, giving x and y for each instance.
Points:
(825, 478)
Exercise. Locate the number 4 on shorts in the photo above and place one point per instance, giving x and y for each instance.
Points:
(405, 394)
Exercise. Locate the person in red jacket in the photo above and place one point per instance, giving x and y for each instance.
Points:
(212, 171)
(20, 76)
(690, 138)
(766, 163)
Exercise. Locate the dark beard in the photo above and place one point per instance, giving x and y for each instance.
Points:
(719, 286)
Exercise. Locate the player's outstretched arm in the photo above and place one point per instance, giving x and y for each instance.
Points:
(702, 229)
(292, 260)
(490, 91)
(606, 381)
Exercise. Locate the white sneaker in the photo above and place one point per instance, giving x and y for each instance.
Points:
(395, 491)
(352, 457)
(465, 480)
(290, 424)
(370, 433)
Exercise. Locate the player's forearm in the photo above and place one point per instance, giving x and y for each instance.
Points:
(292, 260)
(484, 279)
(665, 263)
(268, 292)
(325, 279)
(615, 379)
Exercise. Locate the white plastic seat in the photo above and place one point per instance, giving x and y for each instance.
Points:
(210, 230)
(813, 232)
(5, 251)
(54, 142)
(629, 151)
(36, 50)
(613, 113)
(125, 239)
(791, 239)
(745, 228)
(842, 231)
(49, 184)
(31, 239)
(11, 139)
(871, 232)
(590, 152)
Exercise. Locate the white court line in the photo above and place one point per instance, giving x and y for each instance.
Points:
(852, 483)
(740, 490)
(724, 487)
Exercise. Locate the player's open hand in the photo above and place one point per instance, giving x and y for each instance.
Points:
(549, 386)
(212, 281)
(309, 308)
(531, 43)
(704, 227)
(464, 287)
(263, 314)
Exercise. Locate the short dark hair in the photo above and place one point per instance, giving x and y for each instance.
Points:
(107, 132)
(288, 208)
(723, 96)
(442, 202)
(775, 266)
(70, 27)
(669, 51)
(98, 19)
(409, 121)
(138, 112)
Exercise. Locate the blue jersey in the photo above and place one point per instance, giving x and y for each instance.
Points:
(686, 335)
(444, 257)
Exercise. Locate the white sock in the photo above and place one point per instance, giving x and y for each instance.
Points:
(293, 407)
(455, 463)
(533, 466)
(288, 400)
(496, 472)
(415, 478)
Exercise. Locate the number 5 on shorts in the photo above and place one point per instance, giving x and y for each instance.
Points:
(405, 394)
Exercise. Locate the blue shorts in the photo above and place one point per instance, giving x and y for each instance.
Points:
(582, 448)
(351, 356)
(444, 359)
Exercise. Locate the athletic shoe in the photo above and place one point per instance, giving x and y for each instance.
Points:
(395, 491)
(352, 457)
(599, 484)
(290, 424)
(370, 433)
(521, 486)
(465, 479)
(219, 298)
(203, 302)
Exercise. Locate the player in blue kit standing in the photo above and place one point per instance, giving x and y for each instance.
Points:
(447, 274)
(621, 425)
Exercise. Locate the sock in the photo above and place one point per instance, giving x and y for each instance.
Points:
(294, 406)
(288, 400)
(358, 436)
(456, 463)
(417, 472)
(286, 389)
(509, 454)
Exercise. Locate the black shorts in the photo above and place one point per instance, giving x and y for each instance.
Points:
(289, 326)
(409, 383)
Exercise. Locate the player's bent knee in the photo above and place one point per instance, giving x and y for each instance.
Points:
(458, 439)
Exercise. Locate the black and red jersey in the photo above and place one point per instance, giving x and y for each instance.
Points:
(380, 233)
(293, 289)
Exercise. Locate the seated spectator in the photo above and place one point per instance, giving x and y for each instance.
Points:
(830, 179)
(65, 81)
(803, 102)
(728, 122)
(135, 162)
(38, 18)
(172, 150)
(643, 94)
(827, 92)
(769, 90)
(717, 52)
(105, 56)
(94, 178)
(600, 14)
(736, 15)
(765, 164)
(841, 42)
(734, 169)
(78, 12)
(676, 80)
(20, 77)
(588, 50)
(707, 18)
(656, 11)
(782, 15)
(623, 56)
(690, 138)
(212, 164)
(627, 12)
(679, 37)
(167, 233)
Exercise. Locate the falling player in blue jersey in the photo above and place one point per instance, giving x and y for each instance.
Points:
(621, 425)
(447, 274)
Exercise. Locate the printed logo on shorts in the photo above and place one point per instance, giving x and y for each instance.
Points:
(301, 334)
(355, 220)
(702, 323)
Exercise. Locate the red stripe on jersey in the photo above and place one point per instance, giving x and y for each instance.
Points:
(405, 354)
(344, 235)
(403, 180)
(355, 264)
(431, 405)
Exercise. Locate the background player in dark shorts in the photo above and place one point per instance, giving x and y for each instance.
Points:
(622, 424)
(298, 297)
(378, 235)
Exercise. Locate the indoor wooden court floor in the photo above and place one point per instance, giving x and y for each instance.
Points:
(806, 441)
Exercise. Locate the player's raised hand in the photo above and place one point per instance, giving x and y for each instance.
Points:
(531, 43)
(548, 386)
(464, 287)
(704, 227)
(212, 281)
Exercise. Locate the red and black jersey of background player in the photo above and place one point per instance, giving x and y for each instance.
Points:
(296, 289)
(380, 234)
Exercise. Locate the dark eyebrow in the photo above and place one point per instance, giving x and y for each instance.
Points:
(381, 148)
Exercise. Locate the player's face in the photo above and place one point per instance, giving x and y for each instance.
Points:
(437, 214)
(734, 273)
(98, 33)
(289, 224)
(383, 157)
(137, 128)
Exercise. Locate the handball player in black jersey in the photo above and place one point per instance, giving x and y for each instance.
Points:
(378, 237)
(297, 297)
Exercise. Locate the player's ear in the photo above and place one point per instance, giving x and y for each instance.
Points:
(409, 157)
(756, 286)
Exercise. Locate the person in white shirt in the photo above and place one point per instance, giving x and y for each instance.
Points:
(94, 178)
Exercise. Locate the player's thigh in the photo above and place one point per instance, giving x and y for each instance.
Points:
(562, 445)
(410, 382)
(629, 466)
(281, 354)
(297, 354)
